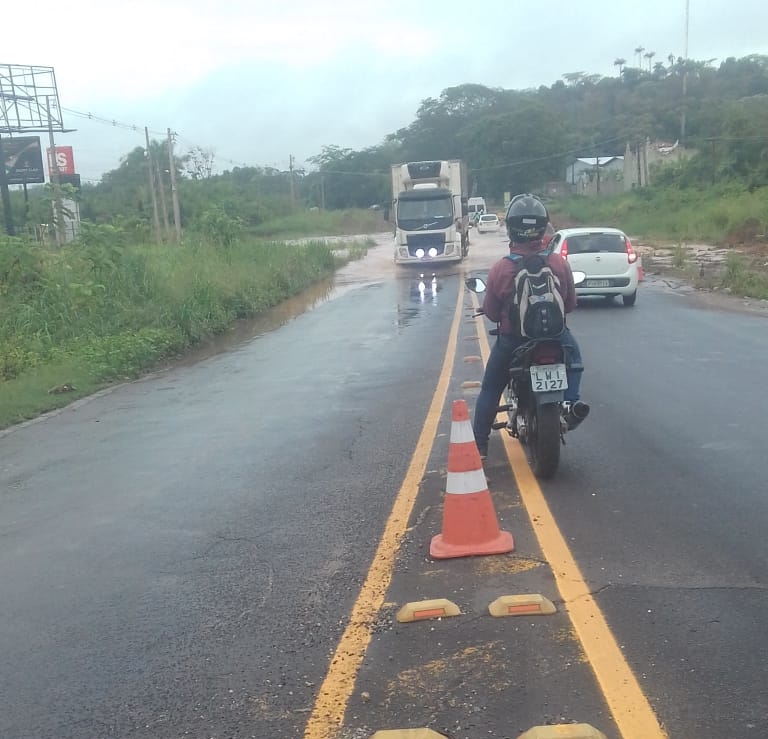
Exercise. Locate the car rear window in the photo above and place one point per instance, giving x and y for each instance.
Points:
(487, 218)
(597, 242)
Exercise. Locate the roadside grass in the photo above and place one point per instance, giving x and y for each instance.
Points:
(673, 214)
(729, 215)
(322, 223)
(743, 277)
(76, 319)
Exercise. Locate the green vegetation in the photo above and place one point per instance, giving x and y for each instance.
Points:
(110, 305)
(519, 140)
(724, 214)
(77, 318)
(743, 279)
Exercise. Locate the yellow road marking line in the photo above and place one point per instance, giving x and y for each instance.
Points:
(628, 704)
(328, 711)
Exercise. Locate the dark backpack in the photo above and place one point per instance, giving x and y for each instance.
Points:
(536, 310)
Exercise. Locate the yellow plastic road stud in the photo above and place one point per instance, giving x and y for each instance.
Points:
(563, 731)
(407, 734)
(427, 609)
(522, 605)
(471, 383)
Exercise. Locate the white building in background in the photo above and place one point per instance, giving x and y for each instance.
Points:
(585, 168)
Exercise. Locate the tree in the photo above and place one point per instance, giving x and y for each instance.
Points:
(620, 62)
(573, 78)
(198, 163)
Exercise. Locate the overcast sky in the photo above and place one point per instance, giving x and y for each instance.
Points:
(256, 81)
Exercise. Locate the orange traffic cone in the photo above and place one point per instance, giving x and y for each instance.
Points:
(470, 526)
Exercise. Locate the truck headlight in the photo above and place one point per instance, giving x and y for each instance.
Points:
(433, 252)
(419, 253)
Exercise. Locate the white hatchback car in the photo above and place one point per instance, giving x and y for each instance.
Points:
(606, 257)
(488, 222)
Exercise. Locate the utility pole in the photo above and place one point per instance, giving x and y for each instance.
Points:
(290, 171)
(597, 170)
(163, 201)
(322, 191)
(54, 174)
(5, 195)
(645, 160)
(174, 191)
(151, 181)
(685, 71)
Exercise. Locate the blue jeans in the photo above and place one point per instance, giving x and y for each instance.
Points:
(496, 378)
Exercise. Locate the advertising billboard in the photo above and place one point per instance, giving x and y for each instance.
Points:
(23, 160)
(70, 179)
(65, 162)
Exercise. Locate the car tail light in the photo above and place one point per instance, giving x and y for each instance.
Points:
(564, 249)
(631, 253)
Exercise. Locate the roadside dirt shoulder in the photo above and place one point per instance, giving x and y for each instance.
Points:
(698, 271)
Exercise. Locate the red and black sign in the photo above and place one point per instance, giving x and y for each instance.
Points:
(22, 157)
(65, 162)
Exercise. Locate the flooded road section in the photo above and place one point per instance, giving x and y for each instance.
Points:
(418, 285)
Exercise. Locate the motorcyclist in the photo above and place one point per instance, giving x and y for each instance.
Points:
(526, 219)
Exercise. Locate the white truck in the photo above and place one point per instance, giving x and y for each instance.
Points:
(429, 209)
(477, 206)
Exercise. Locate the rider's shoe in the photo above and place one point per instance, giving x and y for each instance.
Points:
(575, 413)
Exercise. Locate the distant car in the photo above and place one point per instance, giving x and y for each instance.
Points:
(488, 222)
(606, 257)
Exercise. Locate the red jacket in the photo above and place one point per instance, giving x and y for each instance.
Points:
(501, 283)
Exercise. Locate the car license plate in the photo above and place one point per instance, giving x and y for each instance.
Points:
(548, 377)
(597, 283)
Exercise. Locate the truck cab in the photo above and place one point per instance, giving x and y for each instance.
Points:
(430, 212)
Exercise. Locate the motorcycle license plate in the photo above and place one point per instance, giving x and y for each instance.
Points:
(548, 377)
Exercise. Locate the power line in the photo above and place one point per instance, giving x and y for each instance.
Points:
(114, 123)
(110, 122)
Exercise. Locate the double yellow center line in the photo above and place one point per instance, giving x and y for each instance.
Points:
(629, 707)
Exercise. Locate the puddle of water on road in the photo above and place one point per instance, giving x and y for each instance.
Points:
(376, 268)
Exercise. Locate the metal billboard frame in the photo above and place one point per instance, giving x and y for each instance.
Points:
(29, 100)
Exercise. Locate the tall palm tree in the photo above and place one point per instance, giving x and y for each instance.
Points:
(620, 64)
(649, 56)
(639, 50)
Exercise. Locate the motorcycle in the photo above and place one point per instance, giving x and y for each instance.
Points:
(535, 395)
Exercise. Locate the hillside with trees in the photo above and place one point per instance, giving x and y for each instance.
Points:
(511, 140)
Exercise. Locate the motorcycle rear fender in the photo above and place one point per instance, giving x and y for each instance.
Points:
(553, 396)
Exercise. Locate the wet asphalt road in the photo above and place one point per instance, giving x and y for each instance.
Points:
(179, 557)
(665, 503)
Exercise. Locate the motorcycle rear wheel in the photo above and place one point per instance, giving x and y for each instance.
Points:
(544, 440)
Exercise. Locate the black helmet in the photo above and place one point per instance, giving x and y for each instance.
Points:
(526, 219)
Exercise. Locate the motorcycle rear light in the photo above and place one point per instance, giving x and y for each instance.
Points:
(547, 354)
(631, 253)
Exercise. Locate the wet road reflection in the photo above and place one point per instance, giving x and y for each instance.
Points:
(416, 288)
